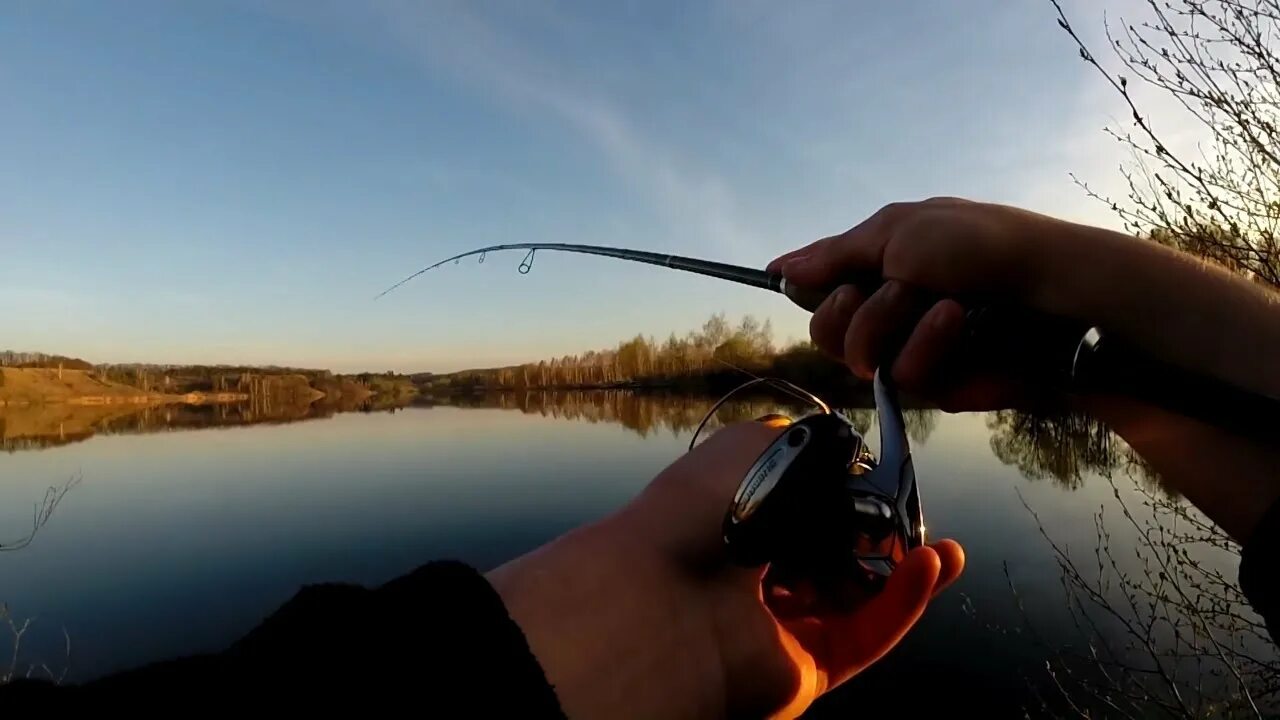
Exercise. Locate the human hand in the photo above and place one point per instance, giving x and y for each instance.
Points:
(643, 614)
(1176, 308)
(934, 254)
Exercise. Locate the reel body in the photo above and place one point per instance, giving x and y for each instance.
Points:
(817, 504)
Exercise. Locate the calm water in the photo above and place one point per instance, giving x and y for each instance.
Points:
(179, 542)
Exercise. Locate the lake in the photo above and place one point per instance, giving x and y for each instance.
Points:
(178, 538)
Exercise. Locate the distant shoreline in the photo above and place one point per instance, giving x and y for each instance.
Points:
(24, 387)
(147, 399)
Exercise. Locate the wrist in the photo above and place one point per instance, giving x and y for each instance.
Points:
(614, 634)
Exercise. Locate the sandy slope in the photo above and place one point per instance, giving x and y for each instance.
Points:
(25, 386)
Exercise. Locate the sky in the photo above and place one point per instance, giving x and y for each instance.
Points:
(233, 182)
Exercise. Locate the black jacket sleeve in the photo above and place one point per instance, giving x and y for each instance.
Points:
(436, 642)
(1258, 572)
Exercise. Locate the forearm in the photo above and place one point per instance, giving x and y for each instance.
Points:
(1235, 490)
(1176, 307)
(437, 638)
(580, 608)
(1189, 313)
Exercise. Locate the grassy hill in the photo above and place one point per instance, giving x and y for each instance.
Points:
(25, 386)
(264, 387)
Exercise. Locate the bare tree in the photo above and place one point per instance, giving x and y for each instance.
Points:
(41, 512)
(1161, 630)
(16, 670)
(1217, 59)
(1159, 625)
(1163, 627)
(1063, 448)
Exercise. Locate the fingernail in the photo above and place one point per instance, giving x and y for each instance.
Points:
(893, 290)
(776, 264)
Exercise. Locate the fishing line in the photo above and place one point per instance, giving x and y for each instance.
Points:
(788, 387)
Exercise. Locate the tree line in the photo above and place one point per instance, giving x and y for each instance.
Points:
(716, 351)
(275, 382)
(11, 358)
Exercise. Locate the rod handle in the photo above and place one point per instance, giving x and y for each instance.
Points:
(1070, 356)
(1014, 340)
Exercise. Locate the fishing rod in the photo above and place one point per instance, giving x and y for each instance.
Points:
(723, 271)
(1070, 356)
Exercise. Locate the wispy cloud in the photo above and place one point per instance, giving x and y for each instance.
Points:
(457, 38)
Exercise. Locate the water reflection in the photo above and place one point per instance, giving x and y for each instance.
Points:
(225, 526)
(1065, 448)
(644, 413)
(919, 422)
(36, 427)
(1062, 448)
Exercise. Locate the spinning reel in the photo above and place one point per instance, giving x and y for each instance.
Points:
(818, 504)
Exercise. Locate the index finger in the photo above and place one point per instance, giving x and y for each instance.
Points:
(837, 259)
(776, 264)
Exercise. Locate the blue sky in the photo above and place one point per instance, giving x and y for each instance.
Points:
(233, 182)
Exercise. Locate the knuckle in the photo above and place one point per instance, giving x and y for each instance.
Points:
(815, 327)
(894, 210)
(902, 254)
(855, 352)
(823, 248)
(825, 338)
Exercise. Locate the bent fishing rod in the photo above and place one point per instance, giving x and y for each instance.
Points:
(1071, 357)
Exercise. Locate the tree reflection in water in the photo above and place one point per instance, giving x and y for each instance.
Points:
(1161, 625)
(1064, 448)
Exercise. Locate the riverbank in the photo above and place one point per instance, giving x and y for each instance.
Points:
(20, 387)
(54, 386)
(45, 407)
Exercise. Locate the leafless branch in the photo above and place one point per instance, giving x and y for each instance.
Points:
(42, 511)
(1218, 60)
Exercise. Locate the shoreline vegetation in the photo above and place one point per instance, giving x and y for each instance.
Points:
(28, 379)
(715, 358)
(718, 356)
(48, 400)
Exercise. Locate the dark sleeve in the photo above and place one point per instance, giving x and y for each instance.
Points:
(1259, 574)
(438, 639)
